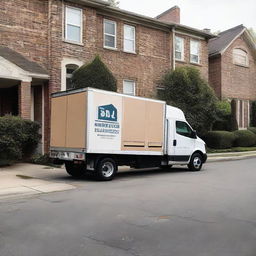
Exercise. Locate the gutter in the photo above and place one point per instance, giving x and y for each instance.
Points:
(173, 49)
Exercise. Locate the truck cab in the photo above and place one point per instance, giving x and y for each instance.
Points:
(183, 146)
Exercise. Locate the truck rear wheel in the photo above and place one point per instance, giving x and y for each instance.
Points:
(75, 170)
(106, 169)
(196, 162)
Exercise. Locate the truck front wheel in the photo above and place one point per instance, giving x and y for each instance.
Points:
(106, 169)
(196, 162)
(75, 170)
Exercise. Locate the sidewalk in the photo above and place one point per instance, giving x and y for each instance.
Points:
(28, 179)
(25, 179)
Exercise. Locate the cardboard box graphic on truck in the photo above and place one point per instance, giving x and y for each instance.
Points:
(97, 131)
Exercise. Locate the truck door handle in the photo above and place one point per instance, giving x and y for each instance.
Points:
(174, 142)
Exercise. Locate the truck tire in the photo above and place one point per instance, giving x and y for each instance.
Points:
(106, 169)
(75, 170)
(196, 162)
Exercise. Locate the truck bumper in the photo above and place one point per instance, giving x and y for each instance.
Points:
(67, 156)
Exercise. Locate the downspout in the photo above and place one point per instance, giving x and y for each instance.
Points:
(49, 33)
(173, 48)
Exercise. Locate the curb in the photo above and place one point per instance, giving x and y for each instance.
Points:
(218, 157)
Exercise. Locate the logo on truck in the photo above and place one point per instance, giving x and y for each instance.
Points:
(106, 124)
(107, 113)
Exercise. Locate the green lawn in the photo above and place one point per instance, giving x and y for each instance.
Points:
(236, 149)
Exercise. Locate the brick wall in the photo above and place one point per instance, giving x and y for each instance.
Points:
(203, 65)
(215, 74)
(237, 81)
(23, 28)
(146, 67)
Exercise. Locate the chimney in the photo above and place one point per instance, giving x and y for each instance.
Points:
(171, 15)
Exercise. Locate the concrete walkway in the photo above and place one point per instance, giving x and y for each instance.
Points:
(25, 179)
(28, 179)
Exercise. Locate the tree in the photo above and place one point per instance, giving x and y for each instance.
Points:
(253, 33)
(114, 3)
(184, 88)
(95, 74)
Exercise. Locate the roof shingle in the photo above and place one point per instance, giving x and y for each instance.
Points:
(19, 60)
(216, 45)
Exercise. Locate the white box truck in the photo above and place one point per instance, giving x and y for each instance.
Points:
(97, 131)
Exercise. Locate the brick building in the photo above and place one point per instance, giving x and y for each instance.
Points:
(232, 70)
(43, 41)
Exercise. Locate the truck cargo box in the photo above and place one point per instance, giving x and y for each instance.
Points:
(95, 121)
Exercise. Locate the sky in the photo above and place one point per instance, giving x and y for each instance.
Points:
(218, 15)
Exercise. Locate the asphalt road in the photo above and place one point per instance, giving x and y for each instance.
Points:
(149, 213)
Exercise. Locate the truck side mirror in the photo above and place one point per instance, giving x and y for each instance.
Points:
(194, 134)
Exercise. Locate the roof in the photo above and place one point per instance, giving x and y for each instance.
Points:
(19, 60)
(104, 8)
(219, 44)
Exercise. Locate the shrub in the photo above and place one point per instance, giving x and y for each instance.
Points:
(252, 129)
(244, 138)
(184, 88)
(18, 138)
(220, 139)
(223, 108)
(223, 111)
(95, 74)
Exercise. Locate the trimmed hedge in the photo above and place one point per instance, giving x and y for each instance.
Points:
(244, 138)
(220, 139)
(95, 74)
(18, 138)
(252, 129)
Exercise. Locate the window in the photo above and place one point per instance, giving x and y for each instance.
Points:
(73, 25)
(129, 38)
(183, 129)
(179, 48)
(240, 57)
(109, 34)
(129, 87)
(194, 51)
(70, 68)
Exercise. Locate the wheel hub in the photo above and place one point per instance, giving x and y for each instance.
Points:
(107, 169)
(197, 162)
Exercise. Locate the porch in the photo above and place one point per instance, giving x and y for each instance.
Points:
(23, 90)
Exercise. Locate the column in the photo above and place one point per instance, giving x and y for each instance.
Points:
(25, 100)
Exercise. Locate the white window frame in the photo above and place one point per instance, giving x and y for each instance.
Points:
(66, 25)
(134, 86)
(134, 39)
(104, 33)
(199, 49)
(64, 63)
(182, 50)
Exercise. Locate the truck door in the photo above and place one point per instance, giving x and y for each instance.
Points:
(184, 141)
